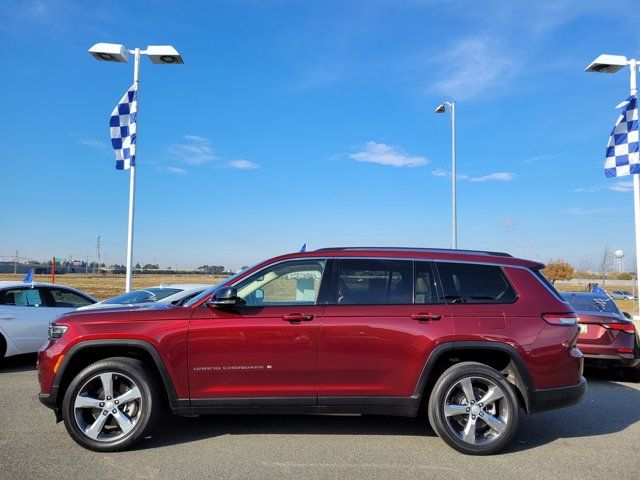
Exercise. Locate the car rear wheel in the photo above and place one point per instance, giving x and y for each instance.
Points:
(111, 405)
(474, 409)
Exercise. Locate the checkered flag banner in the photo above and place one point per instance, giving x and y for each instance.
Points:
(123, 129)
(623, 154)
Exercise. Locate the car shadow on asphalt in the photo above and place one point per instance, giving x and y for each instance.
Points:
(607, 408)
(18, 363)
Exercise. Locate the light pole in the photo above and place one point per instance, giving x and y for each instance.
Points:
(160, 54)
(611, 64)
(454, 213)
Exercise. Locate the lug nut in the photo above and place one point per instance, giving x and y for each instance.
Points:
(468, 409)
(117, 402)
(480, 404)
(472, 402)
(473, 417)
(482, 414)
(102, 404)
(105, 412)
(114, 411)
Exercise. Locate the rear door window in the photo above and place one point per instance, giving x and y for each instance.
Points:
(374, 282)
(22, 297)
(475, 283)
(425, 285)
(67, 299)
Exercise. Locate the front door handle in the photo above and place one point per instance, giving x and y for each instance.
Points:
(424, 317)
(7, 317)
(297, 317)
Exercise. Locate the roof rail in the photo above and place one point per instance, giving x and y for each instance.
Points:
(420, 249)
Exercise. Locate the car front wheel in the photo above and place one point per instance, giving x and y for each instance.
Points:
(111, 405)
(474, 409)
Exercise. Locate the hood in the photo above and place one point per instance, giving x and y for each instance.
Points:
(117, 311)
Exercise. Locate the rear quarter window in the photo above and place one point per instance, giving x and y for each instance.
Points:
(475, 283)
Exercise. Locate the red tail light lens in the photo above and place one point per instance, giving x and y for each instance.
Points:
(560, 318)
(624, 327)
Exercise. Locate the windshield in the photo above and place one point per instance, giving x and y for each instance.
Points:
(142, 296)
(593, 304)
(209, 291)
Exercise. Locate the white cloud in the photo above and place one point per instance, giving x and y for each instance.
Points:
(92, 143)
(195, 151)
(509, 223)
(586, 211)
(174, 170)
(473, 67)
(538, 158)
(387, 155)
(623, 186)
(498, 176)
(243, 165)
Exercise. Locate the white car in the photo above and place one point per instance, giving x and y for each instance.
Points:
(26, 309)
(622, 295)
(175, 294)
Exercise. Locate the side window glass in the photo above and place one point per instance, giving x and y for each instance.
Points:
(425, 289)
(21, 297)
(68, 299)
(289, 283)
(374, 282)
(472, 283)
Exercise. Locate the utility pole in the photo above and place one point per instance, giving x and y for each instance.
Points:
(86, 266)
(15, 264)
(97, 263)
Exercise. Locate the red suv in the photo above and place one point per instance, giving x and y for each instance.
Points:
(468, 337)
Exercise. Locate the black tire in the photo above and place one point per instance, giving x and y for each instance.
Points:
(451, 428)
(3, 347)
(125, 369)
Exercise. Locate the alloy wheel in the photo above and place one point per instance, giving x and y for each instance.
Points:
(476, 410)
(108, 406)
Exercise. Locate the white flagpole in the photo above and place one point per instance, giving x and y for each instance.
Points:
(636, 180)
(132, 182)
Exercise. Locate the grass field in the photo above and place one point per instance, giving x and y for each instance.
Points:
(105, 286)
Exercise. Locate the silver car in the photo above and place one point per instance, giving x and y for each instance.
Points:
(175, 294)
(622, 295)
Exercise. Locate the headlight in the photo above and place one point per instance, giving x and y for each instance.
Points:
(56, 331)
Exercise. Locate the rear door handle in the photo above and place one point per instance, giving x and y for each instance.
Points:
(297, 317)
(7, 317)
(423, 317)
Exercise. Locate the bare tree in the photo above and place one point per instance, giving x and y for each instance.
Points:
(605, 262)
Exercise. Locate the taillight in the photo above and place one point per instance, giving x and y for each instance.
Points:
(560, 318)
(624, 327)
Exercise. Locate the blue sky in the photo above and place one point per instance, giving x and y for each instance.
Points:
(313, 121)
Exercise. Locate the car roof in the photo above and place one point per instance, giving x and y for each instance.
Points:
(477, 256)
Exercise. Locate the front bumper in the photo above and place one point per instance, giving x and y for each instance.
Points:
(543, 399)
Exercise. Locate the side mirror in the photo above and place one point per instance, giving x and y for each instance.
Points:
(224, 297)
(627, 315)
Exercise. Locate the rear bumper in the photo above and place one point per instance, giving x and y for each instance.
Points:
(543, 399)
(50, 402)
(622, 360)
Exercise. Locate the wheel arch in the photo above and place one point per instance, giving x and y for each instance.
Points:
(84, 353)
(501, 356)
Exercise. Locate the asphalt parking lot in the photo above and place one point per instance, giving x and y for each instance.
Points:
(599, 438)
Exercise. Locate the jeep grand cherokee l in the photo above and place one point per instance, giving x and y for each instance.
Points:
(471, 338)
